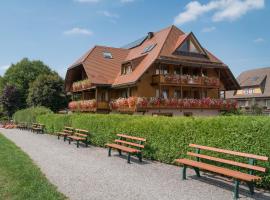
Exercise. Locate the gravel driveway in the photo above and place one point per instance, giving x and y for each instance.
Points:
(89, 174)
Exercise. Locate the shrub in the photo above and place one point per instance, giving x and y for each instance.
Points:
(54, 122)
(29, 115)
(168, 138)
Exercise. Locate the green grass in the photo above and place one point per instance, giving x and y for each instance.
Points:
(20, 178)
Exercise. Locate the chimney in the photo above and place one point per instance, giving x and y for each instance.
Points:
(150, 35)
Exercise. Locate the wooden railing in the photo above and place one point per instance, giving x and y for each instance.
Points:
(185, 80)
(81, 85)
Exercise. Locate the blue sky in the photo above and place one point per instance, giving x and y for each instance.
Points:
(58, 32)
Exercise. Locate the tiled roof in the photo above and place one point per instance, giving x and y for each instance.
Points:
(253, 78)
(102, 70)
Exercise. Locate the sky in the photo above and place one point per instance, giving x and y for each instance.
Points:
(59, 32)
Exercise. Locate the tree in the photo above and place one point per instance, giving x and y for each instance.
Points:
(23, 73)
(10, 100)
(48, 91)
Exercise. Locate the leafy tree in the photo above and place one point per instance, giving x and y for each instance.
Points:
(10, 100)
(23, 73)
(48, 91)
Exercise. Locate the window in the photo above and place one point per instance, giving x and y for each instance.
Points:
(126, 69)
(149, 48)
(165, 94)
(267, 103)
(107, 55)
(177, 94)
(162, 70)
(177, 70)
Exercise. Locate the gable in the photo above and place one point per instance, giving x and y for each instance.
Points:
(190, 47)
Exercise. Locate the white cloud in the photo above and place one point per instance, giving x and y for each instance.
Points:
(87, 1)
(78, 31)
(259, 40)
(108, 14)
(4, 67)
(208, 29)
(222, 10)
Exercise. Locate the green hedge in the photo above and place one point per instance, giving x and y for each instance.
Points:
(29, 115)
(168, 138)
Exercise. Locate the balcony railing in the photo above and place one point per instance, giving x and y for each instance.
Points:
(133, 104)
(88, 105)
(81, 85)
(185, 80)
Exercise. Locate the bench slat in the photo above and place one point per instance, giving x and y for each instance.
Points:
(247, 155)
(76, 138)
(129, 143)
(81, 135)
(132, 137)
(81, 130)
(123, 148)
(230, 162)
(219, 170)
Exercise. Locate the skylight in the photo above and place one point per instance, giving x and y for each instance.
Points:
(149, 48)
(107, 55)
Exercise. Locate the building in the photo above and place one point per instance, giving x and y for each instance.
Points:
(170, 69)
(255, 89)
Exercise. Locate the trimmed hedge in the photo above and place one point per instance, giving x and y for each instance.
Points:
(29, 115)
(168, 138)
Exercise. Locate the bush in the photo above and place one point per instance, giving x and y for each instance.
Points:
(168, 138)
(29, 115)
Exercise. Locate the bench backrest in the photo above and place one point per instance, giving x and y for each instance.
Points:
(68, 129)
(131, 141)
(81, 133)
(252, 158)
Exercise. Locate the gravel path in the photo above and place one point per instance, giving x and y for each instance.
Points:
(88, 174)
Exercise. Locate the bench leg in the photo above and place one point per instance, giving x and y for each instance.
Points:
(236, 189)
(197, 171)
(58, 136)
(77, 143)
(86, 143)
(140, 156)
(109, 151)
(120, 152)
(69, 140)
(251, 187)
(65, 138)
(128, 158)
(184, 172)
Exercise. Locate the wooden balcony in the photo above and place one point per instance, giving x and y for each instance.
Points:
(185, 80)
(81, 85)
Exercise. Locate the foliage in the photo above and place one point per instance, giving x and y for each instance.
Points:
(168, 138)
(10, 100)
(20, 178)
(54, 122)
(47, 90)
(29, 115)
(23, 73)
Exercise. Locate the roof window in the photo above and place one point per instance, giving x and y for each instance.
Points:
(107, 55)
(149, 48)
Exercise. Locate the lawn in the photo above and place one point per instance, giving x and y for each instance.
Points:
(20, 178)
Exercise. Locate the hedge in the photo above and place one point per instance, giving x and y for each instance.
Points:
(168, 138)
(29, 115)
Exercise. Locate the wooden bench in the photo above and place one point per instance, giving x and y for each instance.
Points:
(79, 135)
(22, 126)
(38, 128)
(238, 176)
(128, 144)
(67, 131)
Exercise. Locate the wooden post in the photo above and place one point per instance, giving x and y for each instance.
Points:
(219, 83)
(96, 95)
(181, 74)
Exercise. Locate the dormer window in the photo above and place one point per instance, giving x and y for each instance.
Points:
(126, 69)
(148, 48)
(107, 55)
